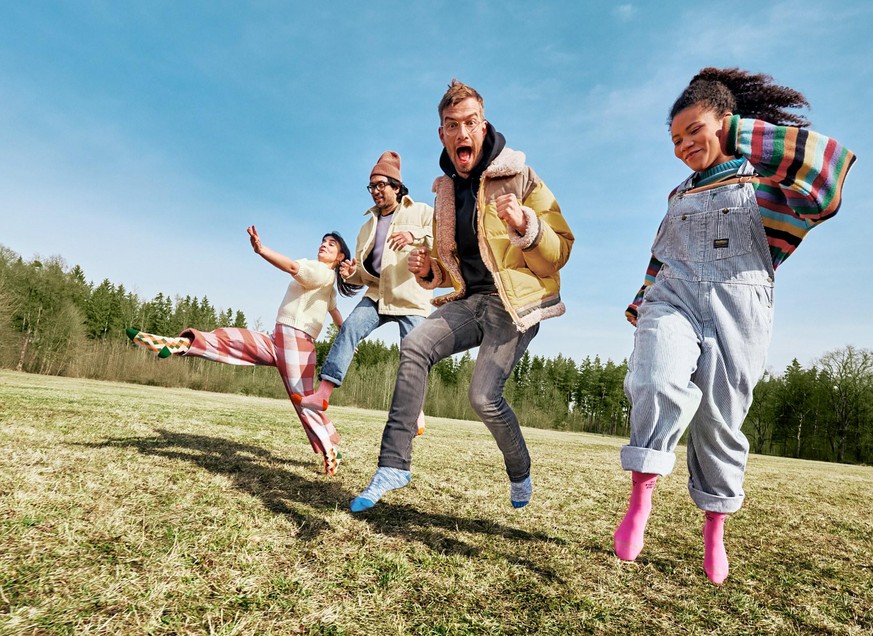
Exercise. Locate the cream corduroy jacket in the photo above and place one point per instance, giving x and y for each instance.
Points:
(395, 291)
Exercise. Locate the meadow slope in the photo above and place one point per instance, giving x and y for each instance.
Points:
(127, 509)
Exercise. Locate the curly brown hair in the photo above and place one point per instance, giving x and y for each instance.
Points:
(752, 95)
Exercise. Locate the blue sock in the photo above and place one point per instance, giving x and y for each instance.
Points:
(384, 480)
(520, 492)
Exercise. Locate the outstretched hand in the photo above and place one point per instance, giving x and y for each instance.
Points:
(419, 262)
(348, 267)
(255, 239)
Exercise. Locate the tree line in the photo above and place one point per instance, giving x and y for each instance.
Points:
(53, 321)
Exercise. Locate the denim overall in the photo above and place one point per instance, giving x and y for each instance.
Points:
(701, 341)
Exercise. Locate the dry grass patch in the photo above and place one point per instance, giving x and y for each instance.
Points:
(129, 509)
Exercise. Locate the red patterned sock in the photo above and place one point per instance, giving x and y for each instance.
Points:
(162, 345)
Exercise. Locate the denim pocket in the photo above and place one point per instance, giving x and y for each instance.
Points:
(731, 233)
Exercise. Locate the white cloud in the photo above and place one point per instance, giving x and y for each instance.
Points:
(624, 12)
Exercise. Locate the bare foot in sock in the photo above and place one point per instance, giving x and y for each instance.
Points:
(319, 400)
(162, 345)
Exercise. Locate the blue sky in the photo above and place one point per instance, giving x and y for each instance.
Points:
(139, 139)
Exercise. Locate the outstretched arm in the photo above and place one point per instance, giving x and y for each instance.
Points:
(271, 256)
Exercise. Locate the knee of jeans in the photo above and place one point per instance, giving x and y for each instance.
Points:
(483, 403)
(414, 345)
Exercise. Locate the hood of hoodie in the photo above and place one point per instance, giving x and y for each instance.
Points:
(492, 146)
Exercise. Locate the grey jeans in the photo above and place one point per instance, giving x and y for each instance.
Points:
(480, 321)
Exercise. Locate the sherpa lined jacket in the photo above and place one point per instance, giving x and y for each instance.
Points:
(525, 267)
(395, 291)
(800, 184)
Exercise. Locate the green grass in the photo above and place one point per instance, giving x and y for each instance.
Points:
(143, 510)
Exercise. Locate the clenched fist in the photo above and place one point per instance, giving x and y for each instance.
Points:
(419, 262)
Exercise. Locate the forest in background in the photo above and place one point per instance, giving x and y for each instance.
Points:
(54, 321)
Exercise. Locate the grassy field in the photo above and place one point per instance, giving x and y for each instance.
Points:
(142, 510)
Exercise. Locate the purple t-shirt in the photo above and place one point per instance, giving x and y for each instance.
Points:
(373, 262)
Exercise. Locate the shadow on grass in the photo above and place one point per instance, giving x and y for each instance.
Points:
(259, 473)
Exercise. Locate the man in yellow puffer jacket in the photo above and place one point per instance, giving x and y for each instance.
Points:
(499, 241)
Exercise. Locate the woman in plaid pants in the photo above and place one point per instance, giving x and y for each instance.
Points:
(291, 347)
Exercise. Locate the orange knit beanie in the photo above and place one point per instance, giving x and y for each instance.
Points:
(387, 166)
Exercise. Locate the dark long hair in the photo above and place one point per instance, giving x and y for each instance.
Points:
(753, 95)
(402, 190)
(345, 289)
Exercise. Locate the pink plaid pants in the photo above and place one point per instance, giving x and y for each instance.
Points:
(290, 350)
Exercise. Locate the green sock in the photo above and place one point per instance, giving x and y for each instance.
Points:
(162, 345)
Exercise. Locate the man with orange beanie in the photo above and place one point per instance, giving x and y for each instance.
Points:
(395, 226)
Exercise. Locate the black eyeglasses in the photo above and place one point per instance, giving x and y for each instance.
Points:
(377, 187)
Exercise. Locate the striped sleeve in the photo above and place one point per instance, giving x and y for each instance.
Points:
(808, 168)
(803, 174)
(651, 273)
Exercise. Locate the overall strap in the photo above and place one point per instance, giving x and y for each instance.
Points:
(741, 179)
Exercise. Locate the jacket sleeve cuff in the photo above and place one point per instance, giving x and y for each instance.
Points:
(532, 233)
(436, 277)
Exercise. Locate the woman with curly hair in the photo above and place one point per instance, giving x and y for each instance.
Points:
(291, 347)
(703, 317)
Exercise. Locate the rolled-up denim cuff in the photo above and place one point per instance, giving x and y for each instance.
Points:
(335, 381)
(518, 479)
(647, 460)
(715, 503)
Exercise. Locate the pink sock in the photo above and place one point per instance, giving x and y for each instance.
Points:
(715, 560)
(319, 400)
(628, 538)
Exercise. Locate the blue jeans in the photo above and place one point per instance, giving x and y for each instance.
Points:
(363, 320)
(477, 321)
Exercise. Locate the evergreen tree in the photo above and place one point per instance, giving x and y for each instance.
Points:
(797, 408)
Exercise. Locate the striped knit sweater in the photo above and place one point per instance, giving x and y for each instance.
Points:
(800, 183)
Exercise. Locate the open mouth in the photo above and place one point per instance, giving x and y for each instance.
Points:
(464, 154)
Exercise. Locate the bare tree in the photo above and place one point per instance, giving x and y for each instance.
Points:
(849, 373)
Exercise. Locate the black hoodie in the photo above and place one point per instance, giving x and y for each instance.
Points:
(477, 278)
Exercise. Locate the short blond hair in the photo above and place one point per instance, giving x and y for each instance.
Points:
(458, 92)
